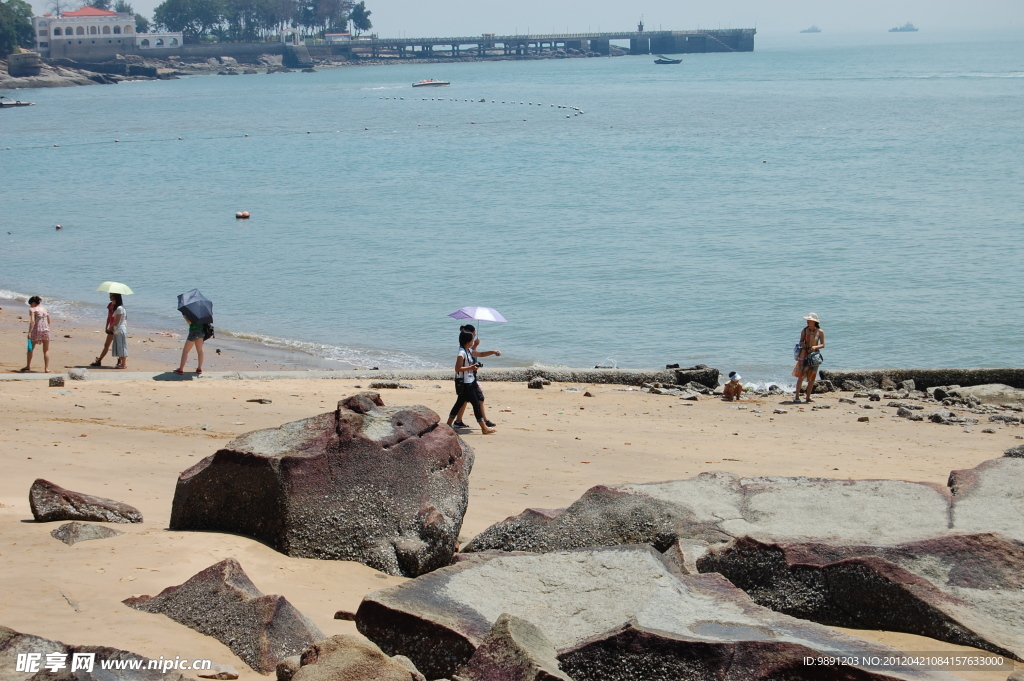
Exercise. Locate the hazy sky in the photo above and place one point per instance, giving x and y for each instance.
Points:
(415, 18)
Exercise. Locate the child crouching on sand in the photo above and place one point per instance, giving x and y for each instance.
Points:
(733, 389)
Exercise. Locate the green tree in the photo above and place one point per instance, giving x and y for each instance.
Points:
(360, 17)
(15, 26)
(100, 4)
(194, 18)
(124, 7)
(141, 24)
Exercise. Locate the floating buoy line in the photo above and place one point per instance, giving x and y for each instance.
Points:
(572, 111)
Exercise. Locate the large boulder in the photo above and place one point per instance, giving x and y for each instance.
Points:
(348, 658)
(13, 644)
(223, 603)
(386, 487)
(964, 589)
(714, 507)
(52, 502)
(74, 532)
(614, 614)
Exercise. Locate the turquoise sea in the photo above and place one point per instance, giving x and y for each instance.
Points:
(691, 214)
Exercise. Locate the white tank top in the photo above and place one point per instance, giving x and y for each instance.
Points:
(467, 360)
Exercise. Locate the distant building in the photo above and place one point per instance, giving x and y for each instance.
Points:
(95, 34)
(337, 38)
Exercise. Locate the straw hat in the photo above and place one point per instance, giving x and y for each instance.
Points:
(812, 318)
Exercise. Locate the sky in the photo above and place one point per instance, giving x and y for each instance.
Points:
(415, 18)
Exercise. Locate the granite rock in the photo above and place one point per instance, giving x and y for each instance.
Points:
(1014, 452)
(348, 658)
(964, 589)
(51, 502)
(223, 603)
(386, 487)
(514, 650)
(613, 614)
(74, 532)
(989, 498)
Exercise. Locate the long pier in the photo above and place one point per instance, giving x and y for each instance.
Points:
(640, 42)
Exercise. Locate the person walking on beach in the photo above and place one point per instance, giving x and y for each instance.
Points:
(473, 349)
(812, 339)
(119, 325)
(110, 333)
(197, 334)
(38, 332)
(467, 387)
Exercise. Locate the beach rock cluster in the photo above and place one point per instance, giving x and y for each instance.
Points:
(604, 614)
(222, 602)
(13, 643)
(51, 502)
(686, 518)
(387, 487)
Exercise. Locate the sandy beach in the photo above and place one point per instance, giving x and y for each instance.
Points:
(129, 440)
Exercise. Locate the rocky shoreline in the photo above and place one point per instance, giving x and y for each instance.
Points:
(67, 73)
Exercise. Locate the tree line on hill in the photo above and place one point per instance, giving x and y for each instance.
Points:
(254, 20)
(15, 26)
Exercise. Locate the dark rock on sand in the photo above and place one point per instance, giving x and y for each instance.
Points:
(348, 658)
(1015, 452)
(74, 532)
(701, 373)
(617, 614)
(537, 383)
(387, 487)
(51, 502)
(514, 650)
(12, 643)
(964, 589)
(223, 603)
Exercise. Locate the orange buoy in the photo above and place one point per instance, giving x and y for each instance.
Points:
(242, 215)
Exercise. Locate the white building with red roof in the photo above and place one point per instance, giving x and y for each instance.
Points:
(95, 34)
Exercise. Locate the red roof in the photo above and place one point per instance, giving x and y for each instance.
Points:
(90, 12)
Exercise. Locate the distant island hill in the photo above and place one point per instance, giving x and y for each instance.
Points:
(92, 34)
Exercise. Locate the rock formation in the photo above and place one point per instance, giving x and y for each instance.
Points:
(613, 614)
(964, 589)
(348, 658)
(13, 643)
(74, 532)
(514, 650)
(223, 603)
(51, 502)
(387, 487)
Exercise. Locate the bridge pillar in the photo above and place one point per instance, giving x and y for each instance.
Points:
(600, 46)
(639, 45)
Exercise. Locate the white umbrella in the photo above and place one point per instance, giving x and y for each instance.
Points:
(114, 287)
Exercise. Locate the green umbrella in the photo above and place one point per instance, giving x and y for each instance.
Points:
(114, 287)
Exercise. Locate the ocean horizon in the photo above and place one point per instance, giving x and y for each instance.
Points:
(616, 212)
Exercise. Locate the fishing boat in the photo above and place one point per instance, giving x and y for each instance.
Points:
(662, 59)
(812, 29)
(430, 82)
(905, 28)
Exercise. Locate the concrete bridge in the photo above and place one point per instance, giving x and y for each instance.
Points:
(488, 44)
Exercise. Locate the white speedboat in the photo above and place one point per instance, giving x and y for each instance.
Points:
(430, 82)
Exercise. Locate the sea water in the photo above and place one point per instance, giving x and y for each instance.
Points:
(614, 211)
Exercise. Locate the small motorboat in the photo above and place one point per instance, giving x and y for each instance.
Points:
(430, 82)
(662, 59)
(13, 102)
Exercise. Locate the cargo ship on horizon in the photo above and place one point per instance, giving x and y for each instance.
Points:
(905, 28)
